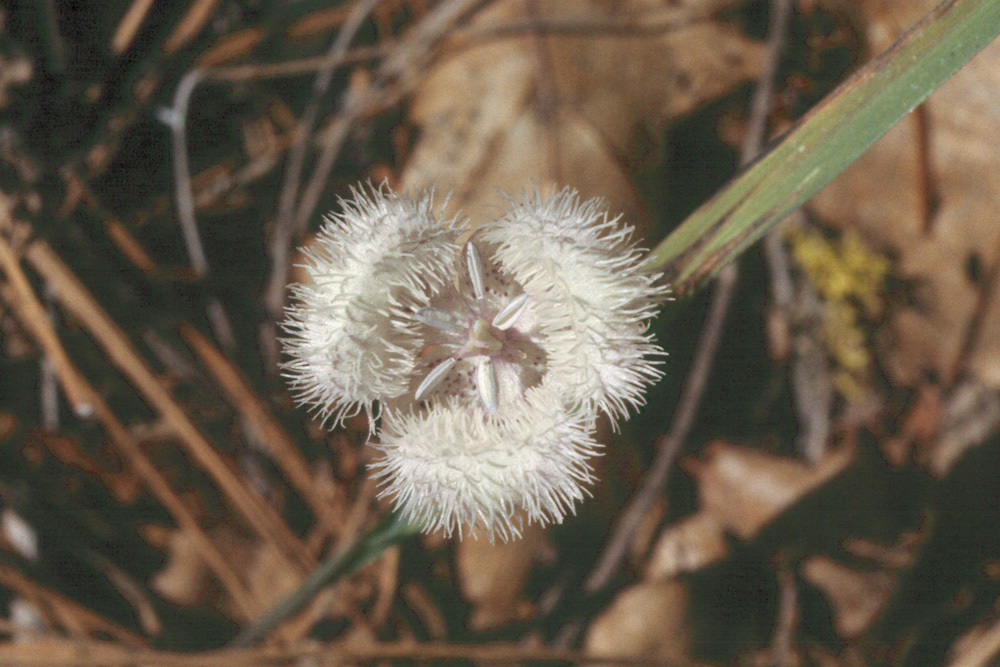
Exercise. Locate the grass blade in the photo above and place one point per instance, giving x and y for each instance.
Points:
(826, 141)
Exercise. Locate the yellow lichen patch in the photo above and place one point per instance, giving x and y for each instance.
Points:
(849, 278)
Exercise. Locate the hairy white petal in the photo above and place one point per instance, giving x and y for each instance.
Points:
(582, 271)
(349, 330)
(450, 468)
(439, 319)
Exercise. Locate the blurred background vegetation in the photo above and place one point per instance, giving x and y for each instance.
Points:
(831, 498)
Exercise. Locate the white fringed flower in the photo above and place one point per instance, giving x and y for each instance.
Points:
(491, 359)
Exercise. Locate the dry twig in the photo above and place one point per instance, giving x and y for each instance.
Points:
(61, 653)
(697, 379)
(263, 424)
(75, 298)
(74, 618)
(87, 401)
(284, 228)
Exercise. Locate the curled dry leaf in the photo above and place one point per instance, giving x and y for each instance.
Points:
(744, 489)
(856, 597)
(920, 193)
(269, 574)
(186, 579)
(969, 417)
(688, 545)
(647, 620)
(577, 106)
(183, 580)
(491, 575)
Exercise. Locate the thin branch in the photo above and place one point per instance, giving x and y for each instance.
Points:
(974, 330)
(264, 427)
(63, 653)
(697, 379)
(812, 386)
(170, 358)
(402, 66)
(781, 651)
(398, 64)
(129, 25)
(75, 298)
(299, 67)
(284, 229)
(668, 447)
(48, 389)
(637, 25)
(68, 612)
(176, 119)
(86, 401)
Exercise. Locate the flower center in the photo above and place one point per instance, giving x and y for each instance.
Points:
(482, 335)
(485, 338)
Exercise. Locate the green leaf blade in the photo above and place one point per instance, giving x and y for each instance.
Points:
(825, 141)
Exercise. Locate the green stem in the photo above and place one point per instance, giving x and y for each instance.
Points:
(825, 142)
(391, 530)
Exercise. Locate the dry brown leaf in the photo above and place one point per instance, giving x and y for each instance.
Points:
(977, 646)
(856, 597)
(491, 575)
(744, 489)
(268, 574)
(572, 108)
(925, 192)
(687, 545)
(15, 71)
(183, 580)
(969, 417)
(8, 425)
(647, 620)
(186, 580)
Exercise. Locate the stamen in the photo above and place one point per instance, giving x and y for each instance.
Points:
(486, 383)
(434, 378)
(510, 313)
(476, 275)
(439, 319)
